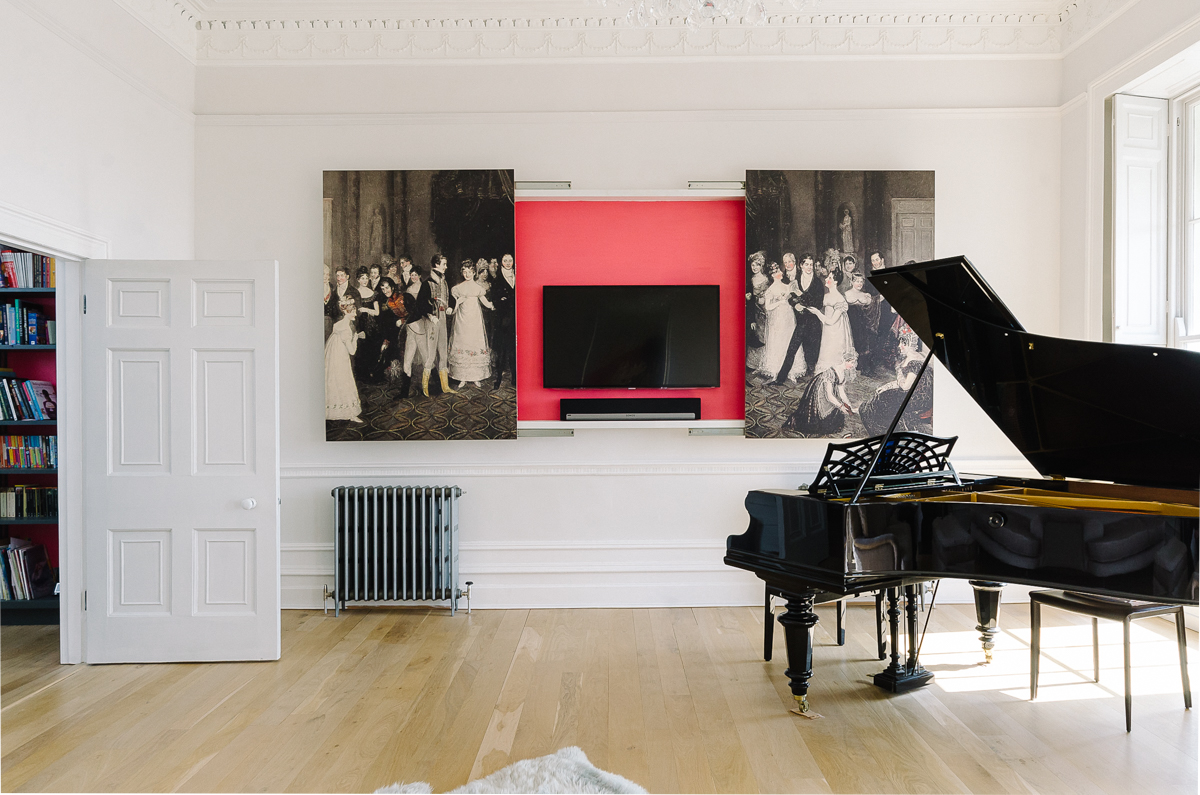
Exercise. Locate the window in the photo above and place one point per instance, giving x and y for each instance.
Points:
(1183, 291)
(1155, 178)
(1140, 219)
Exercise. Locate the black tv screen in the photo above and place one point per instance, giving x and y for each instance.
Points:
(627, 337)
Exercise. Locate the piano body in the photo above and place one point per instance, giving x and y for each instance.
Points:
(1123, 421)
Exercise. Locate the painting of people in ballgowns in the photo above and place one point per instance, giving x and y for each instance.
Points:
(341, 388)
(839, 361)
(419, 305)
(470, 357)
(824, 405)
(756, 318)
(837, 343)
(878, 409)
(780, 320)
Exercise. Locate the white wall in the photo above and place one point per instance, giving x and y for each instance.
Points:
(113, 155)
(97, 142)
(96, 160)
(1139, 39)
(607, 517)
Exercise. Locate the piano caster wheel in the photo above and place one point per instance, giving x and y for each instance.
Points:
(802, 709)
(987, 656)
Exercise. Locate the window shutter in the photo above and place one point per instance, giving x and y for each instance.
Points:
(1140, 128)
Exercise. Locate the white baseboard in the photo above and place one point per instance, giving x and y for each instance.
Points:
(569, 575)
(649, 574)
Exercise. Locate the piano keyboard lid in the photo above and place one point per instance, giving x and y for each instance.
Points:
(1074, 408)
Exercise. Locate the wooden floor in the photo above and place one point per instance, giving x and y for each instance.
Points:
(678, 700)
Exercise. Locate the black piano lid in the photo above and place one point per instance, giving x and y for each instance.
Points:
(1074, 408)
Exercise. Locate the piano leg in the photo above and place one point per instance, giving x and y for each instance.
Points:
(798, 624)
(879, 625)
(896, 677)
(841, 622)
(768, 628)
(987, 611)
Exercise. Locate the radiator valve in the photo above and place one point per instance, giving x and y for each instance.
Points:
(469, 584)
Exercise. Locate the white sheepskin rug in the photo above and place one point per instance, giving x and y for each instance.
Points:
(567, 771)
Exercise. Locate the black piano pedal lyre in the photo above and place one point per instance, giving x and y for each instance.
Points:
(901, 677)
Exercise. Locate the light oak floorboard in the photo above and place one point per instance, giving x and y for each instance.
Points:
(676, 699)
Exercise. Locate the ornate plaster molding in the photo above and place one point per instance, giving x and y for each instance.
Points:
(209, 33)
(1081, 18)
(174, 21)
(474, 39)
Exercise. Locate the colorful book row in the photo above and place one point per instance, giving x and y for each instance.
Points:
(23, 323)
(29, 452)
(27, 400)
(22, 269)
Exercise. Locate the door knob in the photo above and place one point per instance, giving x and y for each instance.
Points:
(249, 503)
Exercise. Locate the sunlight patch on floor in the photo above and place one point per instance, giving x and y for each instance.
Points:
(1066, 671)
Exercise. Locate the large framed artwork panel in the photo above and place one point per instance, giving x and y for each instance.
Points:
(826, 356)
(419, 305)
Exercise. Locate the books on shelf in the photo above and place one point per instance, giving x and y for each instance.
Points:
(29, 452)
(26, 569)
(29, 502)
(43, 400)
(22, 269)
(23, 399)
(23, 323)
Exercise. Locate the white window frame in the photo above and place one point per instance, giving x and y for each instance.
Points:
(1183, 278)
(1140, 152)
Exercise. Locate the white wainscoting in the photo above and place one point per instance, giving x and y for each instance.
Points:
(562, 575)
(557, 534)
(627, 575)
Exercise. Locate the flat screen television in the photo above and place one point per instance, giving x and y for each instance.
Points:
(631, 337)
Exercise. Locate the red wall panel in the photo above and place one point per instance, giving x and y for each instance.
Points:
(604, 242)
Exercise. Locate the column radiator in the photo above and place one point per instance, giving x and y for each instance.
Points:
(395, 543)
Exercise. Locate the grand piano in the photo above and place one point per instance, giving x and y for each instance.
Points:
(1113, 429)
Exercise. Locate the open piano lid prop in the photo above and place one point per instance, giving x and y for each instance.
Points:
(1074, 408)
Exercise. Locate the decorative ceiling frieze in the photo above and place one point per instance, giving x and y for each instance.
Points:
(214, 31)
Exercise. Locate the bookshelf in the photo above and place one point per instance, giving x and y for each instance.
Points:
(27, 355)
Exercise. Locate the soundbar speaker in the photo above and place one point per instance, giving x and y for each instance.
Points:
(649, 409)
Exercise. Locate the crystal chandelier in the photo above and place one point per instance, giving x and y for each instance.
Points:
(697, 12)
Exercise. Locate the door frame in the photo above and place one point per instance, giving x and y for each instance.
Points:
(71, 246)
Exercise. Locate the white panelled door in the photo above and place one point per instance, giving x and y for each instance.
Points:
(181, 485)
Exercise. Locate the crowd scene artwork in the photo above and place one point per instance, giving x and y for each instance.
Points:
(419, 305)
(826, 355)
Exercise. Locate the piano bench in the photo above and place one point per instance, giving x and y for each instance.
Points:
(1125, 611)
